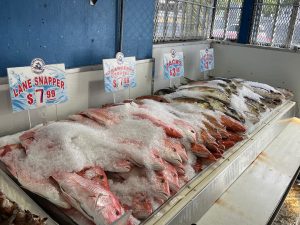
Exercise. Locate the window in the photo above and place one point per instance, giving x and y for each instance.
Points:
(182, 20)
(276, 23)
(227, 19)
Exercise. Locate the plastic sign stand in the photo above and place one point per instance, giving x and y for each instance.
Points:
(207, 60)
(119, 73)
(37, 86)
(173, 65)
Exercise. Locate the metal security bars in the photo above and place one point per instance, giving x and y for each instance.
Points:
(276, 23)
(227, 18)
(182, 20)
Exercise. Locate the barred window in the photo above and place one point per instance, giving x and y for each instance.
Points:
(182, 20)
(227, 18)
(276, 23)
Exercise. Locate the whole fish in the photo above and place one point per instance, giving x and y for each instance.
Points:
(95, 202)
(211, 92)
(201, 102)
(103, 116)
(165, 91)
(13, 157)
(220, 106)
(170, 130)
(259, 105)
(171, 175)
(153, 97)
(95, 174)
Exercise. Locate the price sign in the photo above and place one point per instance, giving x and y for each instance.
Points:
(173, 65)
(207, 61)
(36, 86)
(119, 73)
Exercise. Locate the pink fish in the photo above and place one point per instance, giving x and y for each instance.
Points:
(87, 196)
(102, 116)
(141, 206)
(175, 146)
(96, 174)
(13, 157)
(170, 130)
(171, 175)
(85, 121)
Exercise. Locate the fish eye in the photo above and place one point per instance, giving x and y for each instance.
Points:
(101, 177)
(162, 181)
(117, 212)
(174, 149)
(192, 131)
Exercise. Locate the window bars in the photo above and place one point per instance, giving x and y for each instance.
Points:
(227, 18)
(276, 23)
(182, 20)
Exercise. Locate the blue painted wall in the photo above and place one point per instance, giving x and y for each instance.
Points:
(71, 31)
(138, 28)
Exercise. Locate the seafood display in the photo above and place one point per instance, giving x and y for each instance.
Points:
(125, 160)
(11, 213)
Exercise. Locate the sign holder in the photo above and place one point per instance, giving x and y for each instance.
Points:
(56, 114)
(29, 119)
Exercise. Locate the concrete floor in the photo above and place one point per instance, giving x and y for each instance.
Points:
(289, 214)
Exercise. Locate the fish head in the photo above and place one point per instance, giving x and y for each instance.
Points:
(122, 165)
(160, 185)
(95, 174)
(172, 176)
(157, 163)
(109, 208)
(142, 206)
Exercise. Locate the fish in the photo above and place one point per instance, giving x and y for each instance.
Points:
(84, 120)
(13, 157)
(264, 90)
(171, 175)
(93, 201)
(220, 106)
(201, 102)
(103, 116)
(152, 160)
(198, 166)
(232, 124)
(153, 97)
(260, 106)
(141, 206)
(176, 146)
(201, 151)
(210, 92)
(164, 91)
(96, 174)
(170, 130)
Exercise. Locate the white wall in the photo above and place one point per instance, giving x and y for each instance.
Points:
(85, 89)
(191, 52)
(277, 67)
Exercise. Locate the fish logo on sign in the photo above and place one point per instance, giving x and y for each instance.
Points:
(37, 66)
(120, 58)
(173, 53)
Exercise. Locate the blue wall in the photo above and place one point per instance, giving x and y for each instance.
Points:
(138, 28)
(71, 31)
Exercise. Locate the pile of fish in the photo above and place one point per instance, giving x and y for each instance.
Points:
(129, 158)
(11, 214)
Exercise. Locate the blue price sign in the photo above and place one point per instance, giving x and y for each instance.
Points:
(119, 73)
(173, 65)
(207, 61)
(36, 86)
